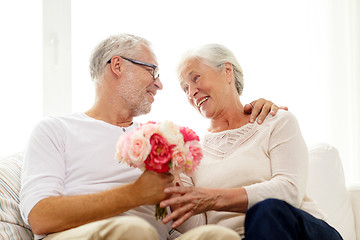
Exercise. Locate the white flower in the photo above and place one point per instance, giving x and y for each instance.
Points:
(170, 131)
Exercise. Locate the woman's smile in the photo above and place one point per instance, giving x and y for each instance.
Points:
(202, 101)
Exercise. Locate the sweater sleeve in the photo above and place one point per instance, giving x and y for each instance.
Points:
(288, 156)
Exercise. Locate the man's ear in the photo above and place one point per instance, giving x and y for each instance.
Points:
(116, 65)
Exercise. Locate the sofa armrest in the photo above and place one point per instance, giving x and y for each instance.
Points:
(355, 202)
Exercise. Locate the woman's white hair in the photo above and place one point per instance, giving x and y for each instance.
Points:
(126, 45)
(214, 55)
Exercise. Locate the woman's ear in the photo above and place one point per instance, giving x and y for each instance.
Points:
(228, 68)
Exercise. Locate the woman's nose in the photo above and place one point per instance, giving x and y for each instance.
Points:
(192, 92)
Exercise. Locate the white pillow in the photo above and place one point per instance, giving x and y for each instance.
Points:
(326, 185)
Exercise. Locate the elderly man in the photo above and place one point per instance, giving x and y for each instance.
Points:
(72, 188)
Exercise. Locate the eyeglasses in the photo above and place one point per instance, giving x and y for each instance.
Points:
(155, 73)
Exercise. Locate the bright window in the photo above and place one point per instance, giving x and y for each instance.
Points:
(21, 66)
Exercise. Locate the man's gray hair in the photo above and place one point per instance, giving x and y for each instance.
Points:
(215, 55)
(126, 45)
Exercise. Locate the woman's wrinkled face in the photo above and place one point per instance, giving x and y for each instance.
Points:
(205, 87)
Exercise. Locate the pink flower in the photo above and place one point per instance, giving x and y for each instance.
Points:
(149, 129)
(160, 154)
(189, 135)
(193, 156)
(178, 161)
(151, 122)
(138, 149)
(121, 149)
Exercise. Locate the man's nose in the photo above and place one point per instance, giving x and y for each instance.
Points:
(158, 83)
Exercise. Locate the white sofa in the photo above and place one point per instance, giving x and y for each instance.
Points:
(326, 185)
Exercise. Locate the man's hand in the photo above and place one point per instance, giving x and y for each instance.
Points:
(150, 186)
(59, 213)
(260, 108)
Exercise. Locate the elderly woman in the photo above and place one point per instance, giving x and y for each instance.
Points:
(252, 177)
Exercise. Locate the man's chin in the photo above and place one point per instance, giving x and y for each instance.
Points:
(142, 110)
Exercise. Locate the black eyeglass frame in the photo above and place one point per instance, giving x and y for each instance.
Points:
(155, 74)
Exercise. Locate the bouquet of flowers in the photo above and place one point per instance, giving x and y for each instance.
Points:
(160, 147)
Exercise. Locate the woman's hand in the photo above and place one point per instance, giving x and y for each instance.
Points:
(186, 202)
(260, 109)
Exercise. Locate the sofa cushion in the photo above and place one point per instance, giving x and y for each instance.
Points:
(326, 185)
(11, 223)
